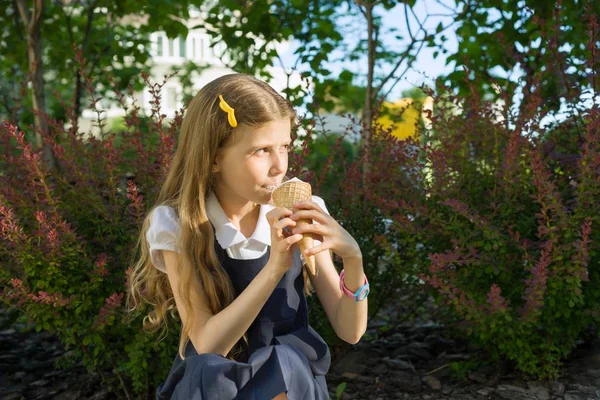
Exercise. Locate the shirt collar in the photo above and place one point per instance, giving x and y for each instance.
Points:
(226, 233)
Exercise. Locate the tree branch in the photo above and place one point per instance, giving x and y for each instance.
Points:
(24, 11)
(445, 6)
(407, 21)
(38, 10)
(398, 64)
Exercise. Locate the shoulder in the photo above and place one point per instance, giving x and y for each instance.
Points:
(162, 234)
(164, 225)
(164, 216)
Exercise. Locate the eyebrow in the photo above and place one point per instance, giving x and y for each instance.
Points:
(262, 146)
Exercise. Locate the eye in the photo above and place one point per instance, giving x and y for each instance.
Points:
(259, 151)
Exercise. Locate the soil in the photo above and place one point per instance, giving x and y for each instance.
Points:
(413, 360)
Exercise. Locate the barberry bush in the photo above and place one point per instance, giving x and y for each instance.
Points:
(68, 233)
(494, 206)
(507, 205)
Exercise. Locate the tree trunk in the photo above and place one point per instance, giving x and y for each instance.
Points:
(368, 108)
(33, 25)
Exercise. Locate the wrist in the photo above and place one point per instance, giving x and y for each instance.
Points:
(358, 292)
(355, 257)
(275, 271)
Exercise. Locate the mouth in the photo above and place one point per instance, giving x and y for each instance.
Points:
(270, 188)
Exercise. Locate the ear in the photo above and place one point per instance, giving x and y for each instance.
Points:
(216, 166)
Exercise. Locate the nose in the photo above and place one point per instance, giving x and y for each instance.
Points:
(279, 163)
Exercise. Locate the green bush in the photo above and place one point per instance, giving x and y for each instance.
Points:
(67, 235)
(513, 239)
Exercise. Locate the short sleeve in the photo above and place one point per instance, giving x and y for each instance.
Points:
(321, 203)
(162, 234)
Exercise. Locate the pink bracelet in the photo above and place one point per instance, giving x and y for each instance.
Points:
(360, 294)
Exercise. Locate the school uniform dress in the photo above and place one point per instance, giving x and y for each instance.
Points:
(284, 353)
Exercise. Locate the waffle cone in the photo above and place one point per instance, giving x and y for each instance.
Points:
(286, 195)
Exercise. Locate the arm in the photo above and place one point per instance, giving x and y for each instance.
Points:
(351, 316)
(347, 317)
(219, 333)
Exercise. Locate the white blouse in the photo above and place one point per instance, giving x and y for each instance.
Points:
(164, 230)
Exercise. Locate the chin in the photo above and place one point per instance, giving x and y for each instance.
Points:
(264, 200)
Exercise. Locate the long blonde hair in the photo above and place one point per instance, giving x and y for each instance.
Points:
(190, 179)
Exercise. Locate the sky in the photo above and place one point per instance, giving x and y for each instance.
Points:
(425, 68)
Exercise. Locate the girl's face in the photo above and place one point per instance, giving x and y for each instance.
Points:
(253, 163)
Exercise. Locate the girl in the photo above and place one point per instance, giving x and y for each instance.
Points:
(215, 249)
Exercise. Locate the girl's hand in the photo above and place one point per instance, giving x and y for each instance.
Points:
(331, 234)
(281, 257)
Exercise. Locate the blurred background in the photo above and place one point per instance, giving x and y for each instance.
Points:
(457, 141)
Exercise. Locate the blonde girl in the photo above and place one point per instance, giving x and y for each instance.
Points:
(214, 248)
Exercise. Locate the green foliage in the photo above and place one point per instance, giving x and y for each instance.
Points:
(110, 36)
(461, 369)
(501, 40)
(340, 390)
(512, 243)
(333, 165)
(67, 239)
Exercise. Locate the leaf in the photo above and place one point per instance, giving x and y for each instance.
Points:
(339, 390)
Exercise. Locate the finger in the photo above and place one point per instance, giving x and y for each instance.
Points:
(276, 214)
(308, 205)
(290, 240)
(317, 249)
(284, 223)
(315, 215)
(312, 228)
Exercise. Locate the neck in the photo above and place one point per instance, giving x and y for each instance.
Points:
(235, 207)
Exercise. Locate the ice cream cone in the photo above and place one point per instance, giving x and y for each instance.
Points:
(286, 195)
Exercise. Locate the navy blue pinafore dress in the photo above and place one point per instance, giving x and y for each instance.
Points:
(284, 353)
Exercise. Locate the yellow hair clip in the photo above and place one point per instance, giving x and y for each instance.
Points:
(230, 112)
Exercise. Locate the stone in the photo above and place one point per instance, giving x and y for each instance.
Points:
(421, 353)
(557, 388)
(540, 392)
(592, 361)
(352, 362)
(13, 396)
(438, 344)
(573, 396)
(379, 370)
(12, 389)
(510, 392)
(356, 377)
(9, 358)
(457, 357)
(19, 375)
(584, 390)
(477, 377)
(38, 393)
(40, 382)
(593, 372)
(432, 382)
(486, 391)
(398, 364)
(51, 374)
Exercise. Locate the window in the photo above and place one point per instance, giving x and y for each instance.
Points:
(171, 47)
(193, 48)
(159, 45)
(182, 44)
(201, 48)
